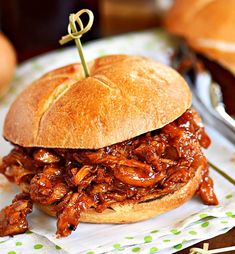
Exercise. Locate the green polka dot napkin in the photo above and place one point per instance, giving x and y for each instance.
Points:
(29, 243)
(167, 233)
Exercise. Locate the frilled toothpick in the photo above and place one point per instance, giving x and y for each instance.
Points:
(75, 34)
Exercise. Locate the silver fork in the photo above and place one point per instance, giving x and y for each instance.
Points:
(216, 98)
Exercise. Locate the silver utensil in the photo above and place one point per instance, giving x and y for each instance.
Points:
(217, 103)
(191, 74)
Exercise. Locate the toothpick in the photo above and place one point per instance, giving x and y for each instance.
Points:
(75, 34)
(206, 250)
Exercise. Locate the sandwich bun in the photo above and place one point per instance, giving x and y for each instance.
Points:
(208, 27)
(124, 97)
(7, 63)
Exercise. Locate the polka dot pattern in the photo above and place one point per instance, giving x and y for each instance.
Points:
(203, 215)
(229, 214)
(192, 232)
(148, 239)
(136, 249)
(38, 246)
(205, 224)
(154, 231)
(117, 246)
(229, 196)
(178, 246)
(153, 250)
(175, 231)
(57, 247)
(166, 240)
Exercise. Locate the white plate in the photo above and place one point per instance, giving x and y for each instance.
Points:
(159, 46)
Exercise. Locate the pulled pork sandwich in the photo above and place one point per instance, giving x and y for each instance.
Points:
(208, 28)
(119, 146)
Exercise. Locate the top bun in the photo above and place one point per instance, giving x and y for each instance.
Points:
(125, 96)
(208, 26)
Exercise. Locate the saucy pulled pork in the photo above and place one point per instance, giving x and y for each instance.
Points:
(73, 180)
(13, 217)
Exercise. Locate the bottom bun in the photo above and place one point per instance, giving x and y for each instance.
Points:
(129, 212)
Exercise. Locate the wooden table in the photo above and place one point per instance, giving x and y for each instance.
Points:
(221, 241)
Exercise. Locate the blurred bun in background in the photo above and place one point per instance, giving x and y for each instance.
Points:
(7, 63)
(208, 26)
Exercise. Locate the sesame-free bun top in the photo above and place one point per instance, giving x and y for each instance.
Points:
(208, 27)
(125, 96)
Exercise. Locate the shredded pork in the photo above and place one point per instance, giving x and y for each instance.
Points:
(74, 180)
(13, 217)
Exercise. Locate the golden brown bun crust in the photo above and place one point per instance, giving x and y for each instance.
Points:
(180, 15)
(206, 25)
(125, 96)
(211, 19)
(128, 213)
(7, 63)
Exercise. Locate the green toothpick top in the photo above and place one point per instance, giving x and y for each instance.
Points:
(75, 34)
